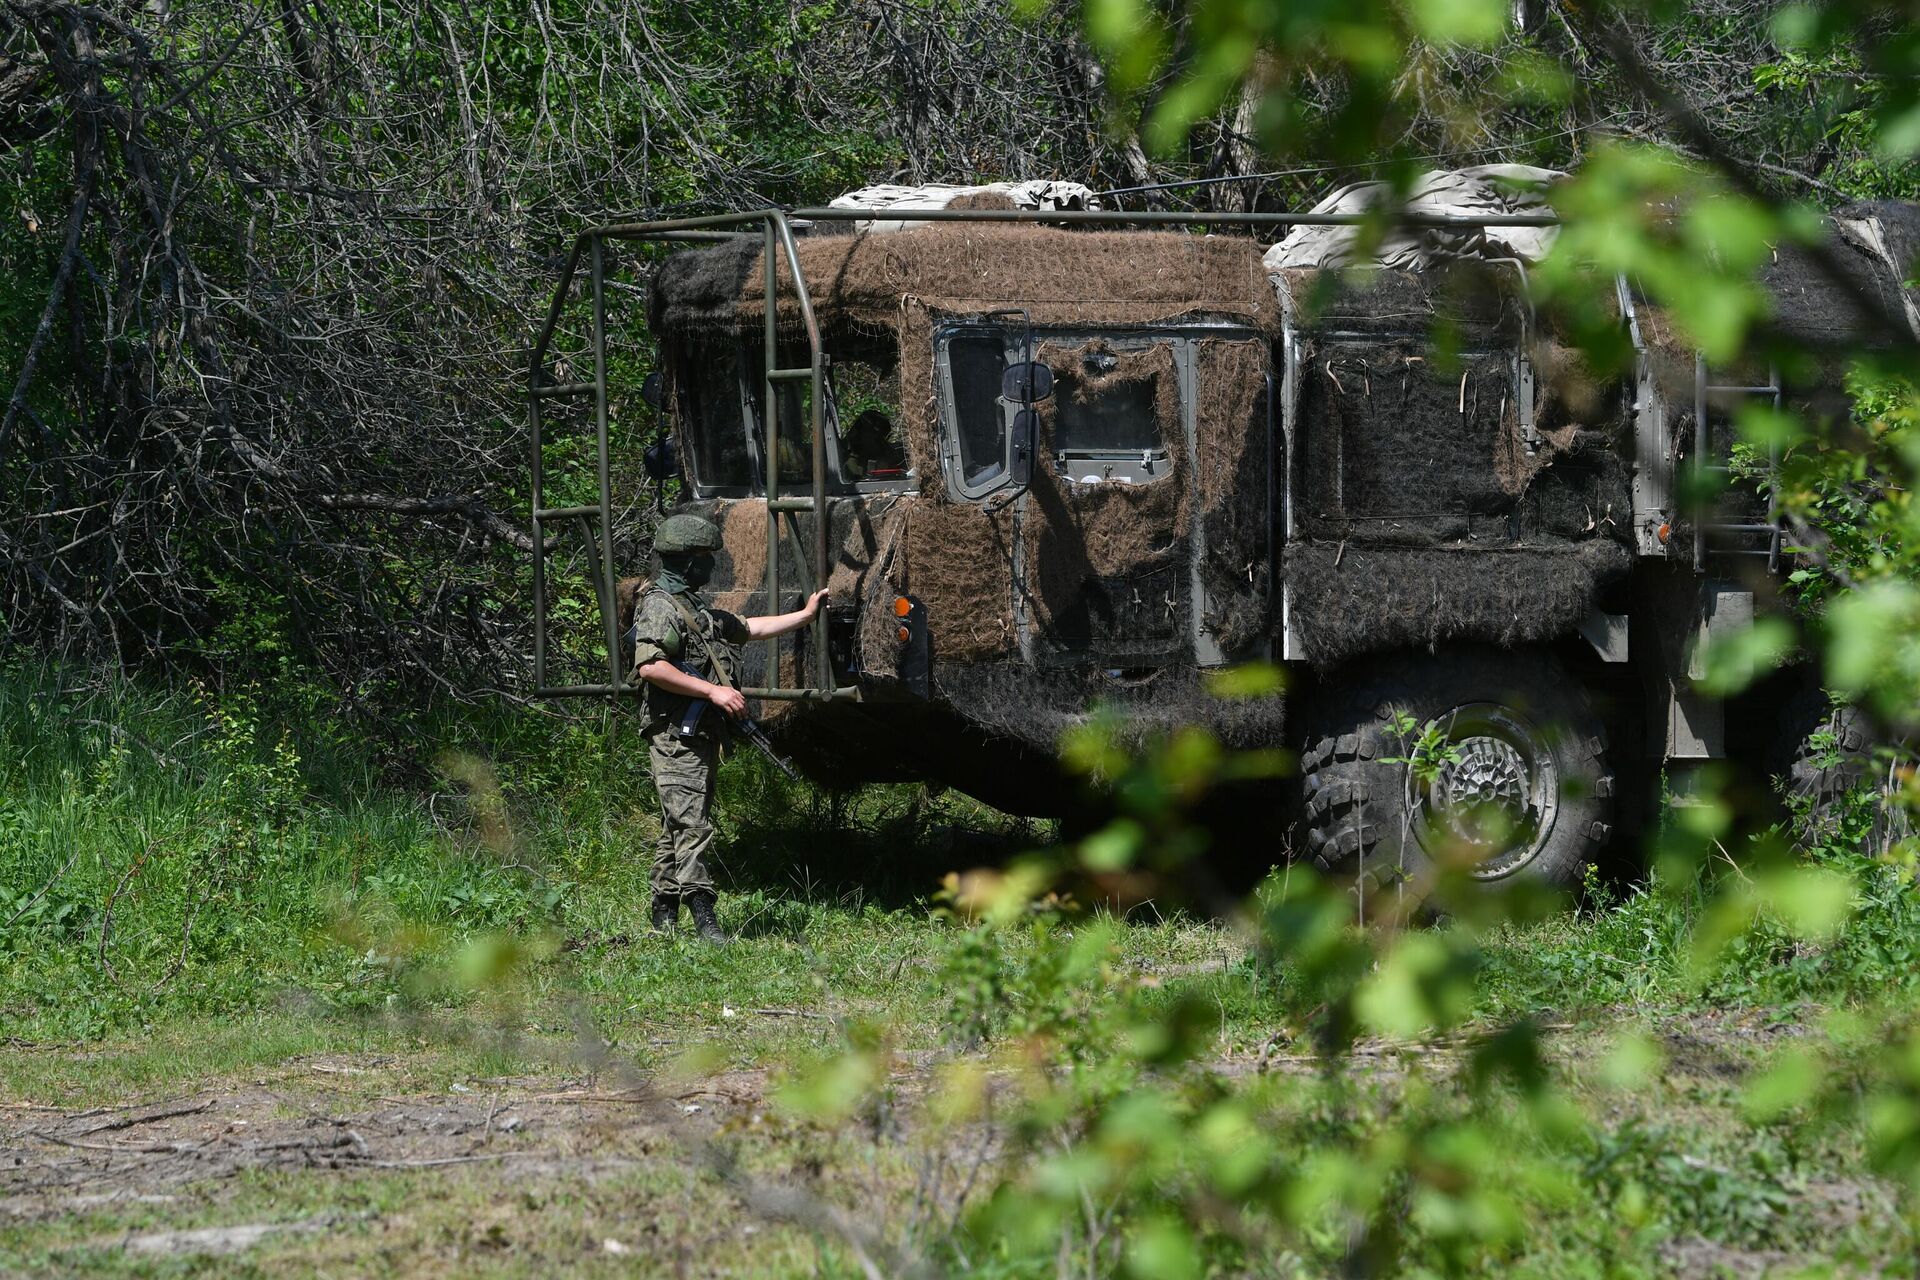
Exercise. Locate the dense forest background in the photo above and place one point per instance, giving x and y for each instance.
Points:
(268, 270)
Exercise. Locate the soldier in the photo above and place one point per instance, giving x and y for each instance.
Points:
(674, 629)
(873, 450)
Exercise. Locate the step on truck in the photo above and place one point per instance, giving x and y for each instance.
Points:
(1049, 458)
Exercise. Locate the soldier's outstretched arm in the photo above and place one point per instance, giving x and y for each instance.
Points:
(778, 624)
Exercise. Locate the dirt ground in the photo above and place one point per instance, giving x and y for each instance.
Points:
(345, 1164)
(151, 1171)
(59, 1161)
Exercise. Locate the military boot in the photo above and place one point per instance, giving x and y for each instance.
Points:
(700, 901)
(666, 912)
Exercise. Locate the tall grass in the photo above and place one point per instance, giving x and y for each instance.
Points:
(177, 849)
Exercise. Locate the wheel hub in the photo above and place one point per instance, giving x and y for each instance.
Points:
(1484, 771)
(1492, 795)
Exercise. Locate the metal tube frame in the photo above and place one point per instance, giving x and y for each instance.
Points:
(774, 227)
(1705, 464)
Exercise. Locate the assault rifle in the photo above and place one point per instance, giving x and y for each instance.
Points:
(746, 727)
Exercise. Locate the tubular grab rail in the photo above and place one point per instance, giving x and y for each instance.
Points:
(596, 521)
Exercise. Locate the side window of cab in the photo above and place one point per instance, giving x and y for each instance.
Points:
(970, 361)
(1115, 405)
(1111, 408)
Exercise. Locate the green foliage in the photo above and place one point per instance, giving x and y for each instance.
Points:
(1161, 1101)
(168, 853)
(1135, 1154)
(1039, 980)
(1659, 1179)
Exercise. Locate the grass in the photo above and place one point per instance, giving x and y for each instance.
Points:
(291, 913)
(236, 870)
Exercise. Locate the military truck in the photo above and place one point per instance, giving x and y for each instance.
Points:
(1054, 458)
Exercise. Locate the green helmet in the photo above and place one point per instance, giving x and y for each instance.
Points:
(686, 534)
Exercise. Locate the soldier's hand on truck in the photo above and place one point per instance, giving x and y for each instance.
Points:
(730, 701)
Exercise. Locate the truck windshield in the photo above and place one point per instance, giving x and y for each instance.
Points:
(796, 430)
(720, 399)
(863, 384)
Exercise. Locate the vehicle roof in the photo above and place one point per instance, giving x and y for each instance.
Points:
(1060, 276)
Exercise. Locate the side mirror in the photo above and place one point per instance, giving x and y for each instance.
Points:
(1022, 444)
(661, 459)
(1027, 383)
(653, 389)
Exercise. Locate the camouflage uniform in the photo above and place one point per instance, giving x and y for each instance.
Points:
(684, 768)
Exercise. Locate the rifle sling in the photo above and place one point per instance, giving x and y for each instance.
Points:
(721, 670)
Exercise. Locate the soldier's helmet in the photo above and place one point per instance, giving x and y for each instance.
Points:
(686, 534)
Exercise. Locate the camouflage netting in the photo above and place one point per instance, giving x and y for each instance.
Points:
(1348, 600)
(1231, 421)
(1480, 301)
(1398, 447)
(1034, 708)
(1102, 557)
(1873, 245)
(1424, 512)
(1427, 514)
(1063, 277)
(1814, 321)
(983, 200)
(954, 555)
(959, 562)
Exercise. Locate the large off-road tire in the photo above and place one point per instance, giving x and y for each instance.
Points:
(1822, 756)
(1820, 749)
(1520, 787)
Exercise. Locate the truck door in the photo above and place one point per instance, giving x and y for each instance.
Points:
(1105, 533)
(1141, 542)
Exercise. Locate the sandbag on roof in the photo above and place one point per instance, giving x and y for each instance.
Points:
(1064, 277)
(1038, 195)
(1455, 193)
